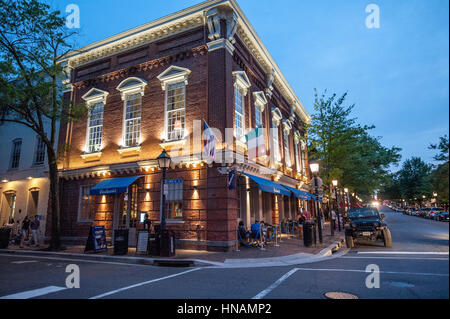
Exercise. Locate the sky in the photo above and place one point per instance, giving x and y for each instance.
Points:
(397, 75)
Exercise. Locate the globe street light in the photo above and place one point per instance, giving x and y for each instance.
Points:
(335, 185)
(314, 166)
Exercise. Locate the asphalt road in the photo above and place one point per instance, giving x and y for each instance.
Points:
(416, 267)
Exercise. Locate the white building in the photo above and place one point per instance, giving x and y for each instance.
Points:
(24, 183)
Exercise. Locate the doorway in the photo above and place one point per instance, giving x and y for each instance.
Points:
(33, 201)
(128, 213)
(9, 206)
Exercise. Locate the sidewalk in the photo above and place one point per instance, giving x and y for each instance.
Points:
(290, 250)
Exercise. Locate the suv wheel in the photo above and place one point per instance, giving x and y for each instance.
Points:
(387, 238)
(349, 242)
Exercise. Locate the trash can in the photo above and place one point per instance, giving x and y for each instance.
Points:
(121, 241)
(167, 244)
(308, 233)
(154, 244)
(5, 233)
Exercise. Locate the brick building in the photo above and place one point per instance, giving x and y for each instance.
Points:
(150, 89)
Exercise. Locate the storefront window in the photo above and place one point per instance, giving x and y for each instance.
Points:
(174, 199)
(86, 207)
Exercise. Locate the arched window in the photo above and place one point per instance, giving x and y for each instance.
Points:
(132, 90)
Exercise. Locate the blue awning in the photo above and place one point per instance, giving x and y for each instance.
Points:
(300, 194)
(268, 186)
(113, 186)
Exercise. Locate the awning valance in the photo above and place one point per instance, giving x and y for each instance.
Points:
(300, 194)
(268, 186)
(113, 186)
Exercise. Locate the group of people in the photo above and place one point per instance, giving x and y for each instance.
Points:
(26, 232)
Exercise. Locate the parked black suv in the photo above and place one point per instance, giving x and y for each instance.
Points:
(367, 224)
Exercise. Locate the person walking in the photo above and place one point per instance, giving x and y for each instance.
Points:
(25, 230)
(333, 219)
(34, 225)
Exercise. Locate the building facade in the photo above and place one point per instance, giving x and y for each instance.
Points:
(153, 88)
(24, 183)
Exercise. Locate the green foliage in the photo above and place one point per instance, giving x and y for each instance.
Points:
(414, 179)
(442, 147)
(345, 149)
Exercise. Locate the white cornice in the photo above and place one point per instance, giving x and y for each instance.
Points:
(179, 22)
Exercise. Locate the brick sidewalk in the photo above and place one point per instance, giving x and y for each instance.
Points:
(290, 245)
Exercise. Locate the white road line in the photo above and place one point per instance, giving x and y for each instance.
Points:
(24, 262)
(265, 292)
(401, 258)
(381, 272)
(77, 260)
(402, 253)
(142, 284)
(34, 293)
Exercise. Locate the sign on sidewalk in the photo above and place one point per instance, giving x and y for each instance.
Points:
(97, 240)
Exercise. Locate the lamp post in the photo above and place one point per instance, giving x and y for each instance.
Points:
(335, 185)
(164, 163)
(314, 166)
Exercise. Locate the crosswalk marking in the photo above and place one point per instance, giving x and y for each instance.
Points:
(34, 293)
(24, 262)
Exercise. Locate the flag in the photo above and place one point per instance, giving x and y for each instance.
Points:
(209, 142)
(256, 144)
(232, 179)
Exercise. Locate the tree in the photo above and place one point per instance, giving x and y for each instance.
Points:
(414, 179)
(345, 149)
(442, 147)
(32, 40)
(440, 175)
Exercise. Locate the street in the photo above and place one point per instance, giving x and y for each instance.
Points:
(416, 267)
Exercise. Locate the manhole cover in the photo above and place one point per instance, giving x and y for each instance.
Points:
(340, 295)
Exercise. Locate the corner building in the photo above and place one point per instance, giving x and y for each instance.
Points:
(150, 89)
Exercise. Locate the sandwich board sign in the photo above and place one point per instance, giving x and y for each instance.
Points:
(97, 240)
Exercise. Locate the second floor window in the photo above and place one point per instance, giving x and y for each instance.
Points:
(239, 115)
(276, 142)
(132, 125)
(15, 153)
(287, 154)
(39, 154)
(95, 128)
(258, 117)
(176, 111)
(303, 157)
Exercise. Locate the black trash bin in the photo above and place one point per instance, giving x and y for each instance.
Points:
(121, 241)
(308, 233)
(154, 244)
(5, 234)
(167, 244)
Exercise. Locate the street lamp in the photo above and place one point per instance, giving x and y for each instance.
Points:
(335, 184)
(164, 161)
(314, 166)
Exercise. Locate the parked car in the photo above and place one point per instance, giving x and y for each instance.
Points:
(442, 216)
(366, 224)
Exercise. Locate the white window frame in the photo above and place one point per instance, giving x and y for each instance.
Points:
(127, 88)
(173, 75)
(182, 133)
(36, 149)
(241, 85)
(260, 105)
(298, 159)
(287, 127)
(170, 202)
(131, 120)
(13, 147)
(93, 97)
(276, 120)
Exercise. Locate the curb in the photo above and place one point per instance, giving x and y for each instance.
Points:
(284, 260)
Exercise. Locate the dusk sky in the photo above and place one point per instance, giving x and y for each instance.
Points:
(397, 75)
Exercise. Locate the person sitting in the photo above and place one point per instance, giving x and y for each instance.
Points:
(244, 234)
(254, 229)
